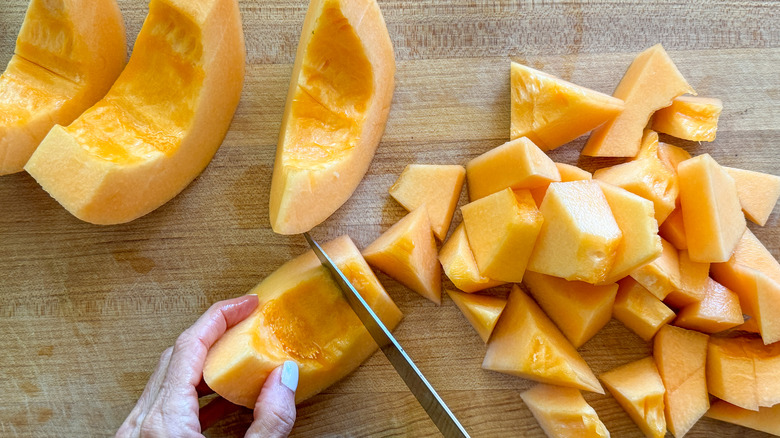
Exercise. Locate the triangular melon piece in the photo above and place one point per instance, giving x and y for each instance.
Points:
(526, 343)
(765, 419)
(437, 186)
(563, 412)
(460, 266)
(482, 311)
(407, 252)
(638, 388)
(757, 192)
(552, 112)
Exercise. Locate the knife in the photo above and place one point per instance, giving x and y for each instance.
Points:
(448, 425)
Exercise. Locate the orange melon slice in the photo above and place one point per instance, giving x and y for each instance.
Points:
(551, 111)
(638, 389)
(672, 155)
(66, 58)
(731, 373)
(527, 343)
(765, 419)
(673, 229)
(436, 186)
(568, 173)
(161, 122)
(639, 310)
(302, 316)
(336, 110)
(563, 412)
(719, 310)
(651, 83)
(662, 275)
(757, 192)
(694, 281)
(407, 252)
(481, 311)
(690, 118)
(459, 265)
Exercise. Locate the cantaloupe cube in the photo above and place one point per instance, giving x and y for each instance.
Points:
(563, 412)
(579, 236)
(436, 186)
(551, 111)
(646, 176)
(638, 388)
(673, 229)
(680, 356)
(527, 343)
(766, 362)
(579, 309)
(718, 311)
(754, 274)
(407, 252)
(518, 164)
(672, 155)
(766, 419)
(568, 173)
(711, 211)
(731, 375)
(651, 83)
(694, 279)
(639, 310)
(757, 192)
(635, 218)
(662, 275)
(459, 264)
(690, 118)
(482, 311)
(502, 229)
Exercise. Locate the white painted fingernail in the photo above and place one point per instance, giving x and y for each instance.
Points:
(290, 375)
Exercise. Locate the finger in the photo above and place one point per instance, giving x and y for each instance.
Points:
(214, 411)
(275, 406)
(131, 427)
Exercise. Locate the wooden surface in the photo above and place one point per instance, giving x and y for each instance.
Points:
(86, 310)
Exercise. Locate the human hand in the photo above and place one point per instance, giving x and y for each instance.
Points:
(169, 404)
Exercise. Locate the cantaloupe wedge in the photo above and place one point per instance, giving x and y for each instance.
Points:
(563, 412)
(337, 106)
(754, 274)
(436, 186)
(651, 83)
(579, 309)
(757, 192)
(694, 281)
(690, 118)
(526, 343)
(518, 164)
(568, 173)
(719, 310)
(638, 389)
(673, 229)
(765, 419)
(302, 316)
(502, 229)
(711, 211)
(646, 176)
(662, 275)
(639, 310)
(579, 235)
(459, 265)
(161, 122)
(481, 311)
(407, 252)
(672, 155)
(680, 356)
(743, 371)
(551, 111)
(66, 58)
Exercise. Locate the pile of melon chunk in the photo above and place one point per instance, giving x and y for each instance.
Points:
(658, 242)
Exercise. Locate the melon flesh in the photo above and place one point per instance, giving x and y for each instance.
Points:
(694, 280)
(639, 310)
(568, 173)
(662, 275)
(743, 371)
(672, 155)
(719, 310)
(690, 118)
(459, 265)
(303, 316)
(481, 311)
(563, 412)
(673, 229)
(638, 388)
(766, 419)
(757, 192)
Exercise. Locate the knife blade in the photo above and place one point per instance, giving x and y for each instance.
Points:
(440, 414)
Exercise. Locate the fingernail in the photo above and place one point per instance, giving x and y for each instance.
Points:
(290, 375)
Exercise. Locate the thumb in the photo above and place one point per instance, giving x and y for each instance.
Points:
(275, 406)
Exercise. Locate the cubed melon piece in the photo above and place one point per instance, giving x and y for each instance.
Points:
(713, 217)
(694, 280)
(731, 374)
(458, 262)
(579, 309)
(436, 186)
(551, 111)
(518, 164)
(673, 229)
(635, 217)
(579, 235)
(501, 229)
(766, 362)
(672, 155)
(651, 83)
(638, 388)
(754, 274)
(482, 311)
(646, 176)
(639, 310)
(718, 311)
(568, 173)
(407, 252)
(690, 118)
(662, 275)
(757, 192)
(766, 419)
(563, 412)
(527, 343)
(680, 356)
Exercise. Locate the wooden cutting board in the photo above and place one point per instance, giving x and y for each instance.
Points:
(86, 310)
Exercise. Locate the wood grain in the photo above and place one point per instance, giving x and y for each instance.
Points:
(85, 311)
